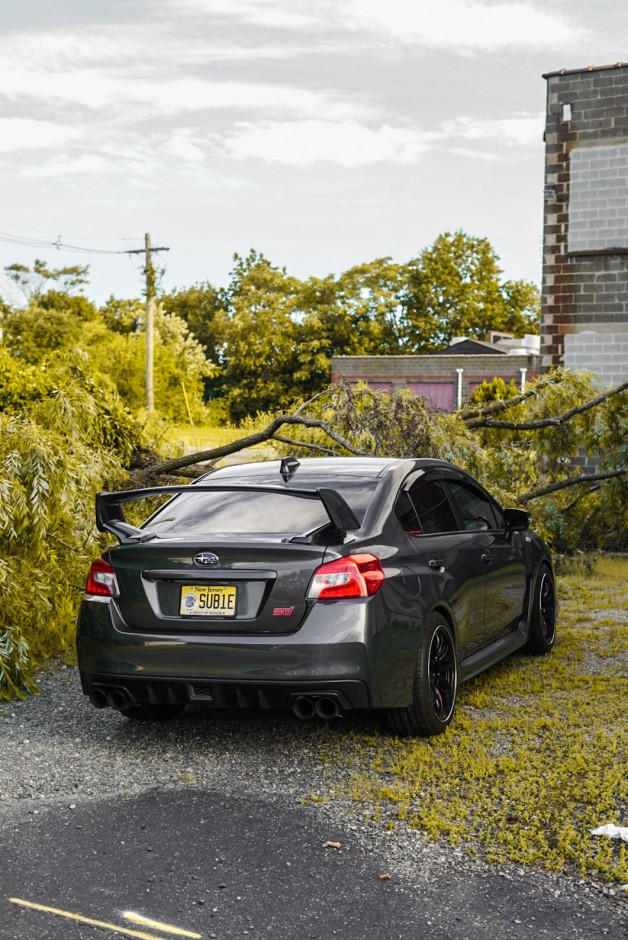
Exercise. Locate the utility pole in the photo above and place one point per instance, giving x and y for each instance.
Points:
(150, 324)
(151, 290)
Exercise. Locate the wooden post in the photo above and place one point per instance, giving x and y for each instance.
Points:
(150, 325)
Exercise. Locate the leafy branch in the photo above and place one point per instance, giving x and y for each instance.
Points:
(251, 440)
(495, 407)
(485, 422)
(572, 481)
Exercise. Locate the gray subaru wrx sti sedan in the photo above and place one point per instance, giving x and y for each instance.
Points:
(319, 585)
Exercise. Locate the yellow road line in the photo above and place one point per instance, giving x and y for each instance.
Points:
(157, 925)
(137, 934)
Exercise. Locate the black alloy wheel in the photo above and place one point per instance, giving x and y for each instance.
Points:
(442, 673)
(543, 618)
(435, 684)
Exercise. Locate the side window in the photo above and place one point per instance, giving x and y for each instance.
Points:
(476, 511)
(406, 514)
(433, 508)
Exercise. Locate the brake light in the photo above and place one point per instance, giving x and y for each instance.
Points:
(353, 576)
(101, 579)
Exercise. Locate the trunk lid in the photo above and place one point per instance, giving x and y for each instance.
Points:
(256, 585)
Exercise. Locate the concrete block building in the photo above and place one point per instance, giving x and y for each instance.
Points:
(584, 321)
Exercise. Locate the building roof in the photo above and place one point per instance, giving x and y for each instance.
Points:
(470, 347)
(588, 68)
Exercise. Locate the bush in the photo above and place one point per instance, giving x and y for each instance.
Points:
(71, 439)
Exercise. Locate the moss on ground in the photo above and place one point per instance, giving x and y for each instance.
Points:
(536, 756)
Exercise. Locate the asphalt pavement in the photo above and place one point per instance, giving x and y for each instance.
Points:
(205, 865)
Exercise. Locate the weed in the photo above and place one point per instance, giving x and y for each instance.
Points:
(535, 758)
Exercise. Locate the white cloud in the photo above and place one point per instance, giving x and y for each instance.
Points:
(184, 146)
(459, 26)
(283, 14)
(85, 164)
(30, 134)
(302, 143)
(471, 154)
(96, 90)
(519, 130)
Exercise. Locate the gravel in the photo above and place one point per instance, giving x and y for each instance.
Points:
(58, 751)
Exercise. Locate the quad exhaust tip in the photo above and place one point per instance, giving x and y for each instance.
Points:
(110, 698)
(325, 706)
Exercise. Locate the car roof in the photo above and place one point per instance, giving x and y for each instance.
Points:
(319, 468)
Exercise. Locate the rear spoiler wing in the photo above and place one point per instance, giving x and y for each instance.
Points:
(110, 515)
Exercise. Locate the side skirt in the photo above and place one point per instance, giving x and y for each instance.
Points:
(493, 653)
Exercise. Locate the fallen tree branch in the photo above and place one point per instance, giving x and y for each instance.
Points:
(295, 443)
(548, 422)
(494, 407)
(259, 437)
(572, 481)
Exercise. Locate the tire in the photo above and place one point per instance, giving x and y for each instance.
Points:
(152, 712)
(435, 684)
(543, 616)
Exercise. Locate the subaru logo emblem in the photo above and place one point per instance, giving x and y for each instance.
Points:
(206, 559)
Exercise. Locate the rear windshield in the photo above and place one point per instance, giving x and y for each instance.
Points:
(254, 513)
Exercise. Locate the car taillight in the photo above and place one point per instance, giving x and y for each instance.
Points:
(101, 579)
(353, 576)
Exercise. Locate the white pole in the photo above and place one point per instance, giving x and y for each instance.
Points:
(459, 371)
(523, 379)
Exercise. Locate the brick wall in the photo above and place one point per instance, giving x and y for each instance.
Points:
(404, 371)
(585, 238)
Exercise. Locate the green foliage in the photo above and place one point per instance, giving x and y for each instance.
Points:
(15, 669)
(33, 280)
(115, 342)
(260, 343)
(455, 289)
(273, 336)
(51, 321)
(495, 390)
(357, 313)
(512, 464)
(70, 438)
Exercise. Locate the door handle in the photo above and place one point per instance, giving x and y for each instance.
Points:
(436, 563)
(486, 557)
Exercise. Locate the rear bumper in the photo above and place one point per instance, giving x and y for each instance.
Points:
(337, 650)
(219, 693)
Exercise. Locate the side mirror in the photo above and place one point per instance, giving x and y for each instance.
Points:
(517, 519)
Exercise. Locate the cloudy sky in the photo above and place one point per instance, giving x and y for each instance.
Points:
(323, 133)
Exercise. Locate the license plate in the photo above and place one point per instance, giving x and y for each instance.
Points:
(204, 600)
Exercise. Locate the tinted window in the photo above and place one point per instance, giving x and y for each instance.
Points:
(253, 513)
(433, 508)
(476, 510)
(406, 513)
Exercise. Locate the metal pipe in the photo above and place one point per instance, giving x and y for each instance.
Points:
(326, 707)
(303, 707)
(459, 371)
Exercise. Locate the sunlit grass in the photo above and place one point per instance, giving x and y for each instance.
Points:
(536, 756)
(205, 437)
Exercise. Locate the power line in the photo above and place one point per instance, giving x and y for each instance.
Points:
(26, 242)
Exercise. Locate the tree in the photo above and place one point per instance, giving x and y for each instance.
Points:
(63, 436)
(54, 320)
(32, 281)
(356, 313)
(526, 449)
(455, 289)
(260, 356)
(495, 390)
(202, 307)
